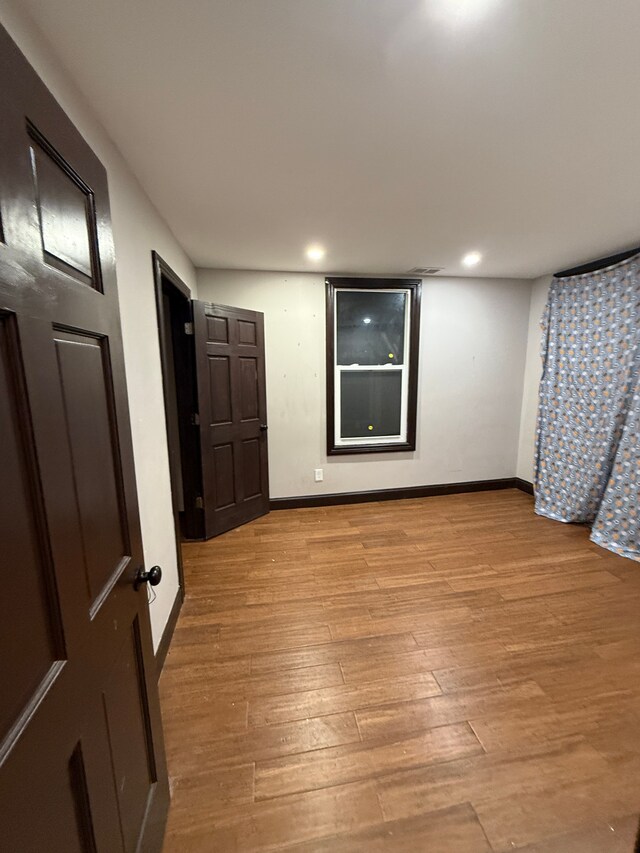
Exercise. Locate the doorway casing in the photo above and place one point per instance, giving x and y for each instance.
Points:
(175, 333)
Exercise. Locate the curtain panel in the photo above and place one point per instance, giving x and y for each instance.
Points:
(587, 466)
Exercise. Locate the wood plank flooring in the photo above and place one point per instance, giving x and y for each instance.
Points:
(447, 675)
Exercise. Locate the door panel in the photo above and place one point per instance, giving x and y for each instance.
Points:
(225, 493)
(83, 368)
(251, 486)
(29, 609)
(218, 330)
(232, 409)
(65, 211)
(129, 734)
(220, 388)
(66, 816)
(79, 787)
(249, 396)
(81, 754)
(247, 333)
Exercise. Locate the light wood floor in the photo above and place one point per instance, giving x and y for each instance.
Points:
(447, 675)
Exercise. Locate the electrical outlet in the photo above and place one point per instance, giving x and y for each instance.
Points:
(318, 475)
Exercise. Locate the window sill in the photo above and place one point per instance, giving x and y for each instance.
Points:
(339, 450)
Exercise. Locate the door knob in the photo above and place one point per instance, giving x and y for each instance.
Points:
(152, 577)
(263, 427)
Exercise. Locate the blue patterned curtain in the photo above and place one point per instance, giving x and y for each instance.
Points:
(587, 445)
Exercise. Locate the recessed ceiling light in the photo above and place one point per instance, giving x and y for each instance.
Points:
(471, 259)
(460, 11)
(315, 253)
(366, 320)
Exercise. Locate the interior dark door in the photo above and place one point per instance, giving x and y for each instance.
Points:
(81, 755)
(232, 405)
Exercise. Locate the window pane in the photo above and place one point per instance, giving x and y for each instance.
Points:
(370, 327)
(370, 402)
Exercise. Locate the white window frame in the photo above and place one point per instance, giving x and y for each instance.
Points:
(369, 440)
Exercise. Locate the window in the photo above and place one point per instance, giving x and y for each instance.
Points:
(372, 364)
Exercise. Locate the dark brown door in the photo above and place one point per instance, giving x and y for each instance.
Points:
(232, 405)
(82, 763)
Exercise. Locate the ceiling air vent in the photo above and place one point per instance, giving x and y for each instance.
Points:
(425, 270)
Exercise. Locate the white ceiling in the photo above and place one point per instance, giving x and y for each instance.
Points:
(396, 133)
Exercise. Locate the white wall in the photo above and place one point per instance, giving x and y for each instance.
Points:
(472, 358)
(532, 372)
(137, 229)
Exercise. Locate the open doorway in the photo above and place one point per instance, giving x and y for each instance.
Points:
(213, 370)
(175, 330)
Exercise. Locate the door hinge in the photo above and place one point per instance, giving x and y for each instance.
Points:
(199, 504)
(195, 419)
(188, 328)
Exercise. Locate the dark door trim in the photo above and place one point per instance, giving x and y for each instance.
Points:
(162, 268)
(414, 286)
(164, 275)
